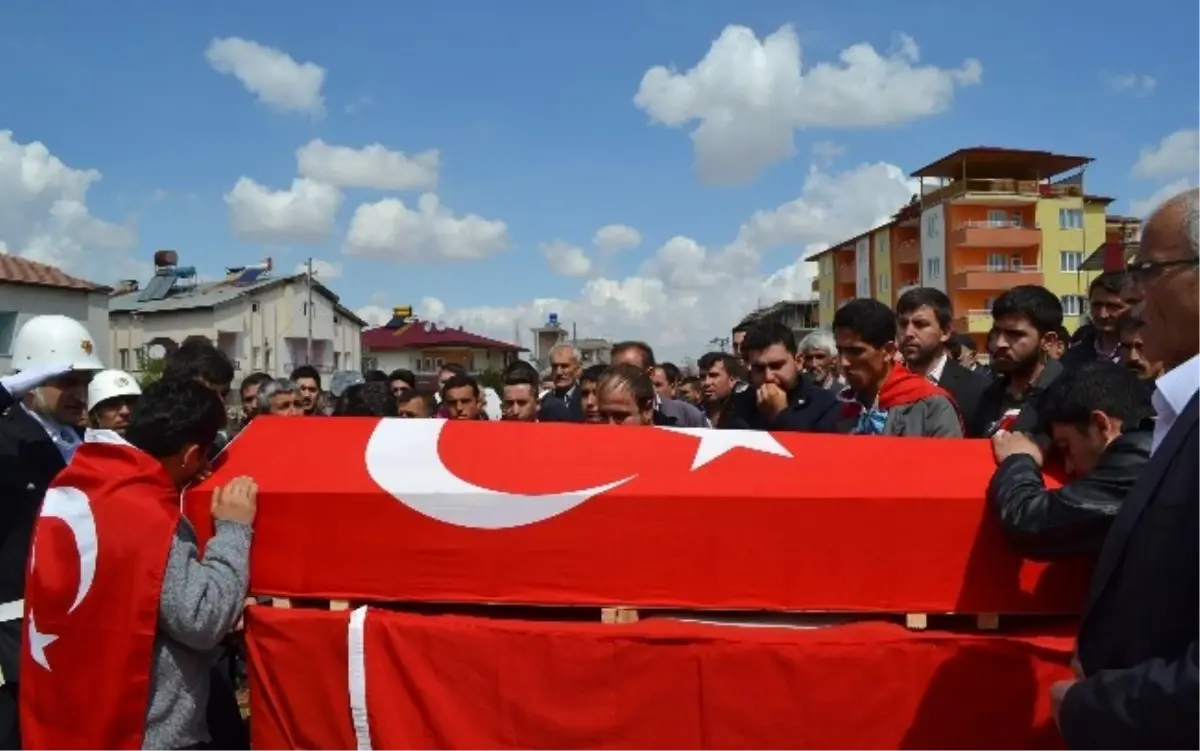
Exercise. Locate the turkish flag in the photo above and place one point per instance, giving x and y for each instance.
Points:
(91, 598)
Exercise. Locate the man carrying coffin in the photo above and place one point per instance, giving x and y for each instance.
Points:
(122, 615)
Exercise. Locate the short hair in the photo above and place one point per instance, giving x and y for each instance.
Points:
(522, 377)
(458, 381)
(630, 378)
(819, 340)
(967, 342)
(1034, 303)
(372, 399)
(671, 371)
(173, 413)
(935, 299)
(644, 349)
(592, 373)
(1096, 386)
(453, 368)
(869, 320)
(374, 376)
(1112, 282)
(566, 348)
(274, 387)
(404, 375)
(425, 395)
(197, 358)
(254, 379)
(709, 359)
(763, 335)
(1063, 335)
(524, 369)
(1128, 323)
(693, 381)
(1191, 222)
(306, 371)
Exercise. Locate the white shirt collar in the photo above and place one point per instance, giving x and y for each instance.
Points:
(1179, 384)
(939, 366)
(65, 439)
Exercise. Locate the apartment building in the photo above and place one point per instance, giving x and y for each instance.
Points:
(985, 220)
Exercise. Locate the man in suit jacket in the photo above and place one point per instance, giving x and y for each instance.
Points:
(1138, 685)
(923, 318)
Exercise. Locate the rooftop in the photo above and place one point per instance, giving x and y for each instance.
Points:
(15, 270)
(996, 162)
(415, 334)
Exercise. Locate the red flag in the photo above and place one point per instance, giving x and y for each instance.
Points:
(91, 598)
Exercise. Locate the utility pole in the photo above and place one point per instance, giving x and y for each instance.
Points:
(574, 337)
(308, 356)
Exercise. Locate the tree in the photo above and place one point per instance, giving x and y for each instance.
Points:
(491, 379)
(152, 370)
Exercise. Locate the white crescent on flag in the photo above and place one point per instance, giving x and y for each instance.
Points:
(74, 508)
(403, 459)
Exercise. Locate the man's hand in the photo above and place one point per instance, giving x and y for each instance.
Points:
(771, 400)
(18, 384)
(236, 502)
(1058, 692)
(1005, 444)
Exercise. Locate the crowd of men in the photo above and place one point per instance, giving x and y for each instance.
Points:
(1111, 410)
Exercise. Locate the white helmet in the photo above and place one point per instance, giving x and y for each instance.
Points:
(49, 341)
(108, 384)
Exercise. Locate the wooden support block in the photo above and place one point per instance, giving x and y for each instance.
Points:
(339, 604)
(281, 602)
(916, 621)
(987, 621)
(618, 615)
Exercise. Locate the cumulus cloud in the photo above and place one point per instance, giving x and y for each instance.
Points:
(614, 238)
(566, 259)
(1174, 161)
(1131, 83)
(323, 270)
(388, 229)
(303, 213)
(687, 292)
(749, 96)
(271, 75)
(374, 166)
(44, 216)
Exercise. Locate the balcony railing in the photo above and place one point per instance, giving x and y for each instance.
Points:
(1003, 188)
(1016, 222)
(908, 251)
(1006, 268)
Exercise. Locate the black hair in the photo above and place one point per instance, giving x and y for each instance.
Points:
(967, 342)
(626, 376)
(645, 350)
(1097, 386)
(671, 371)
(523, 377)
(375, 376)
(592, 373)
(424, 395)
(452, 367)
(709, 359)
(198, 358)
(1112, 282)
(372, 399)
(173, 413)
(458, 381)
(742, 327)
(1063, 335)
(523, 369)
(306, 371)
(254, 379)
(763, 335)
(693, 381)
(1034, 303)
(869, 320)
(1129, 322)
(935, 299)
(406, 376)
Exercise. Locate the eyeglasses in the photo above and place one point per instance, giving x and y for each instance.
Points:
(1143, 271)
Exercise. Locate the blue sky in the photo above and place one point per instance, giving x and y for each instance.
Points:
(532, 110)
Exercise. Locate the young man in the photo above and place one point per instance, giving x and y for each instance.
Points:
(248, 392)
(1025, 322)
(519, 398)
(308, 382)
(720, 374)
(121, 658)
(640, 355)
(779, 397)
(1133, 353)
(884, 398)
(588, 404)
(1099, 418)
(461, 398)
(418, 404)
(1106, 305)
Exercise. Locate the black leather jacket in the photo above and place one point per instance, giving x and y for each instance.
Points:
(1073, 520)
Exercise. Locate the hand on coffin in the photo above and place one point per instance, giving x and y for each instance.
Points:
(771, 400)
(236, 502)
(1005, 444)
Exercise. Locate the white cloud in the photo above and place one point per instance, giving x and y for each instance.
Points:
(566, 259)
(826, 153)
(1176, 154)
(374, 166)
(389, 229)
(687, 293)
(272, 75)
(1131, 83)
(613, 238)
(750, 96)
(323, 270)
(303, 213)
(44, 216)
(1142, 207)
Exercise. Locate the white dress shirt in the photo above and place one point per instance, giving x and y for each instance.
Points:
(1173, 390)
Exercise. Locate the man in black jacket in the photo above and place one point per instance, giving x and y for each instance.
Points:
(1099, 419)
(779, 396)
(1101, 341)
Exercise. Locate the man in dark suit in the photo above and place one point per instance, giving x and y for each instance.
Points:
(780, 397)
(1137, 685)
(923, 318)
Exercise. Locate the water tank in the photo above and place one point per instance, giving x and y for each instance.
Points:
(165, 258)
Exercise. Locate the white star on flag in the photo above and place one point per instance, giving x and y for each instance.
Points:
(38, 643)
(716, 443)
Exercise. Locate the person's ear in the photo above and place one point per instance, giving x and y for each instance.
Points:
(1105, 425)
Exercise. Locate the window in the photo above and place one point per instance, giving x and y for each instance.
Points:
(123, 354)
(883, 283)
(337, 361)
(8, 327)
(335, 319)
(1070, 260)
(303, 309)
(1070, 218)
(997, 217)
(997, 262)
(1073, 305)
(1016, 220)
(267, 360)
(254, 355)
(253, 307)
(933, 268)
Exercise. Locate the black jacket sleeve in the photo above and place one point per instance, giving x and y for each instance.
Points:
(1073, 520)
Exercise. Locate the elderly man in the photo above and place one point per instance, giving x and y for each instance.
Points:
(280, 396)
(1137, 669)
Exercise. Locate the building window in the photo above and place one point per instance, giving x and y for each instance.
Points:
(304, 309)
(336, 320)
(8, 328)
(997, 262)
(254, 352)
(883, 282)
(253, 307)
(1070, 260)
(1073, 305)
(997, 218)
(123, 356)
(933, 268)
(1070, 218)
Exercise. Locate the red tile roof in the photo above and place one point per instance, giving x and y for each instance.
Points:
(15, 270)
(414, 335)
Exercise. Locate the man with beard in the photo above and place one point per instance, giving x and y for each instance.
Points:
(780, 397)
(923, 318)
(1025, 320)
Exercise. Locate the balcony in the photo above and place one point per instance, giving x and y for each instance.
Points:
(908, 251)
(995, 234)
(974, 322)
(994, 277)
(844, 273)
(993, 190)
